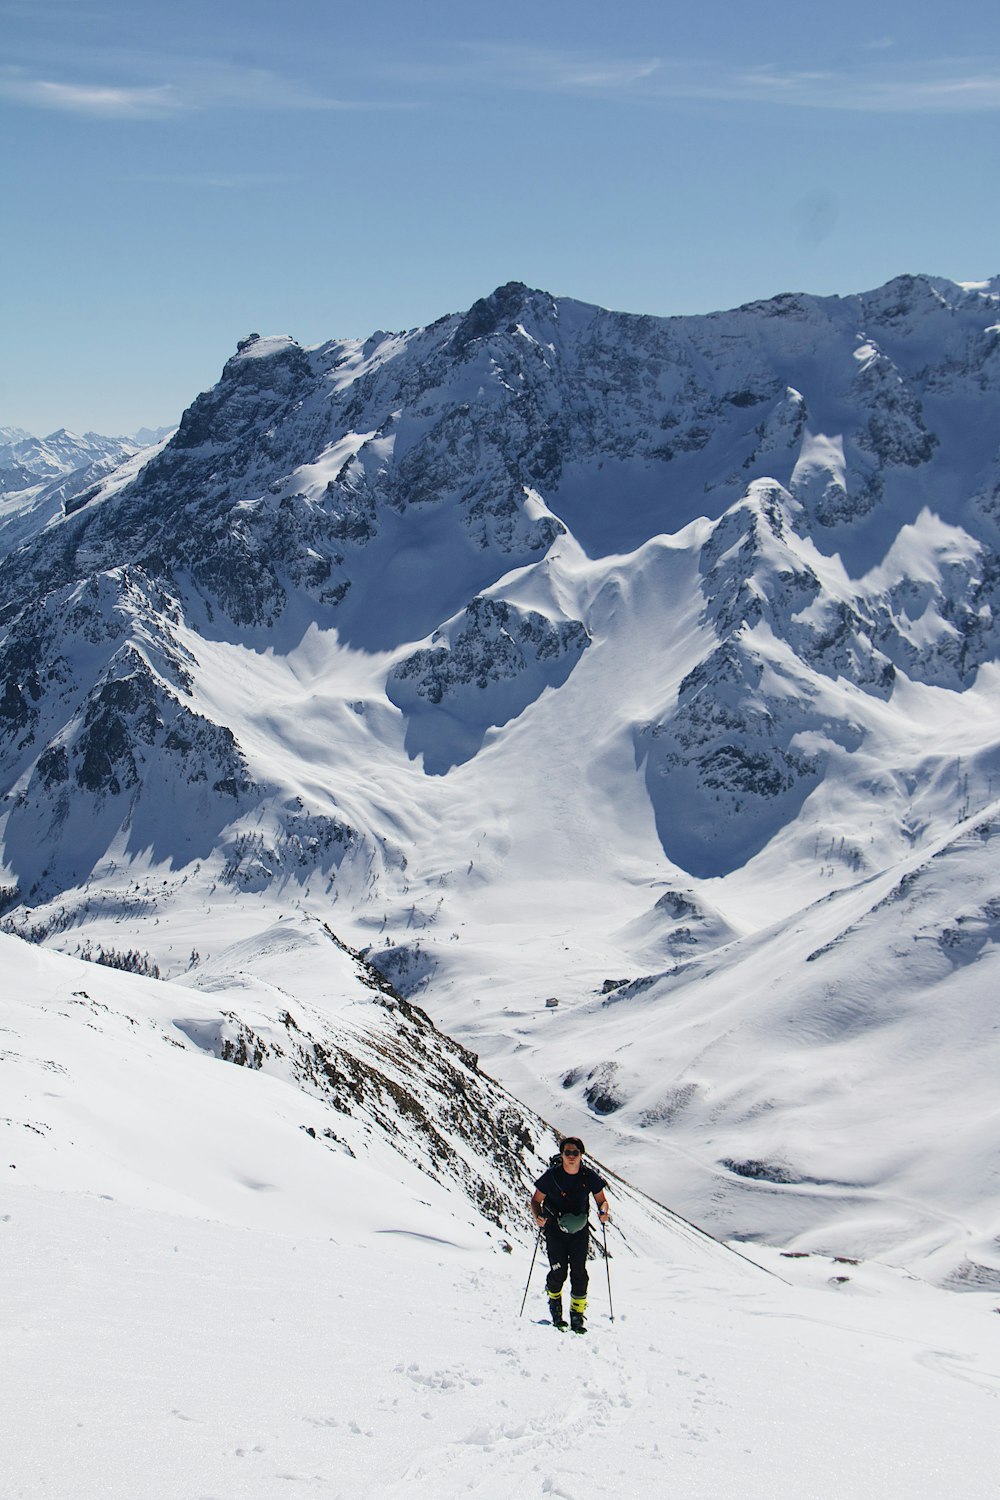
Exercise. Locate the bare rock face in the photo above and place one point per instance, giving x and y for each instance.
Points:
(483, 669)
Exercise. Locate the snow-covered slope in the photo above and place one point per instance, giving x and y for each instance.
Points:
(220, 1281)
(349, 1071)
(829, 1082)
(557, 655)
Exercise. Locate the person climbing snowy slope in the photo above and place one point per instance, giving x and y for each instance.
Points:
(561, 1208)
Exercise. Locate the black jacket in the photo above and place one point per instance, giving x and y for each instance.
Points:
(568, 1192)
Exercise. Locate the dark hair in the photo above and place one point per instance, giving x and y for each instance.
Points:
(572, 1140)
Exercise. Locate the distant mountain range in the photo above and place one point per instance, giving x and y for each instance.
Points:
(645, 667)
(41, 479)
(26, 460)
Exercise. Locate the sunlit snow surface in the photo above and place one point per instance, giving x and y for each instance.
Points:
(822, 1016)
(151, 1357)
(201, 1300)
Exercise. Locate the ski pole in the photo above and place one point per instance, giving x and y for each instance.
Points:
(538, 1241)
(607, 1267)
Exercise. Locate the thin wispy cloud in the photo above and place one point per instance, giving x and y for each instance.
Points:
(211, 85)
(875, 86)
(102, 101)
(575, 73)
(541, 69)
(949, 88)
(138, 89)
(196, 86)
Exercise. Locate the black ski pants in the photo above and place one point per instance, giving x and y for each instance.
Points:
(567, 1252)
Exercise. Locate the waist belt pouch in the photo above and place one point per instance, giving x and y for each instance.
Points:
(572, 1223)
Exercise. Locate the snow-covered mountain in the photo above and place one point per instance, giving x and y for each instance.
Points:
(25, 459)
(624, 687)
(44, 479)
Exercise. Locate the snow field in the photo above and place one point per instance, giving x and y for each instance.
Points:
(202, 1301)
(153, 1357)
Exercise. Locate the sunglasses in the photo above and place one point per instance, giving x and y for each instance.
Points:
(570, 1151)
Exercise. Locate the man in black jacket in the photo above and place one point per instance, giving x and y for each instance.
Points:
(561, 1206)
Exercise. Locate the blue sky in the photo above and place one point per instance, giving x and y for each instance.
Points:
(175, 176)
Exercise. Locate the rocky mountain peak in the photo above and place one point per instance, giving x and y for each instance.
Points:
(501, 312)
